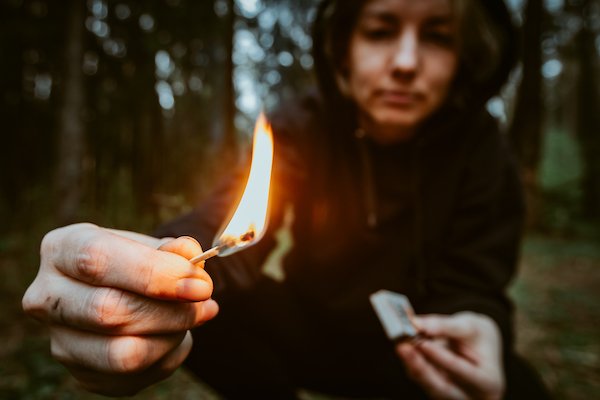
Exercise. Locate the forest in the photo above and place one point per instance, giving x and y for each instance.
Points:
(126, 113)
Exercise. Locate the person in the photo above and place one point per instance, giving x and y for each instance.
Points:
(391, 175)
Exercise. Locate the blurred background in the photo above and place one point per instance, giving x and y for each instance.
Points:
(125, 113)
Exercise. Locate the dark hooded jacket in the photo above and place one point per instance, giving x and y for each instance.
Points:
(437, 218)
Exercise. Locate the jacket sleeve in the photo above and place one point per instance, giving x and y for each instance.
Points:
(475, 257)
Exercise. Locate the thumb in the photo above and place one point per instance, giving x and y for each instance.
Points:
(185, 246)
(457, 326)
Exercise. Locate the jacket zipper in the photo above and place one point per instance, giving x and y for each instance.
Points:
(418, 210)
(370, 194)
(370, 201)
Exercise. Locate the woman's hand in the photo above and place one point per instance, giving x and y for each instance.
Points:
(118, 308)
(462, 361)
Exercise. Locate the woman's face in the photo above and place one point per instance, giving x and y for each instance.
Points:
(401, 63)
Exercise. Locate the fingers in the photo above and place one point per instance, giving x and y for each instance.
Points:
(435, 383)
(101, 258)
(110, 354)
(471, 360)
(475, 336)
(445, 360)
(484, 380)
(107, 310)
(457, 326)
(113, 384)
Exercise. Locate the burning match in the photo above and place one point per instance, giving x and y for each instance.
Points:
(249, 221)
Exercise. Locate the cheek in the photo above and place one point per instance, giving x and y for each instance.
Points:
(441, 73)
(364, 66)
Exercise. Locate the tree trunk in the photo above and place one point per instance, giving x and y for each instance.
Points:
(526, 131)
(229, 136)
(588, 120)
(71, 130)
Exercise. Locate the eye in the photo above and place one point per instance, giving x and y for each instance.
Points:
(378, 33)
(439, 37)
(378, 28)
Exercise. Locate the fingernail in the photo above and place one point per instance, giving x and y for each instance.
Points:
(191, 239)
(193, 289)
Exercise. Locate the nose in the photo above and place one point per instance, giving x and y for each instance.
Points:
(406, 55)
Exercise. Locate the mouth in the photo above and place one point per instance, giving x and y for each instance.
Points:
(399, 98)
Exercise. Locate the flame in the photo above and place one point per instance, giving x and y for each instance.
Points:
(249, 221)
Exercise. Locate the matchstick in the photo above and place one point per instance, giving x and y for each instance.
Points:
(206, 255)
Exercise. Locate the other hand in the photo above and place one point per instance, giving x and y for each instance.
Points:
(462, 361)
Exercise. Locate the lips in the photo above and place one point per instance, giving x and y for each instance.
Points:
(399, 98)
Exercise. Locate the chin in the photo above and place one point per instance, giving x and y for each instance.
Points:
(399, 121)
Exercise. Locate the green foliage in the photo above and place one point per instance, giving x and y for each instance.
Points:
(559, 182)
(561, 165)
(557, 313)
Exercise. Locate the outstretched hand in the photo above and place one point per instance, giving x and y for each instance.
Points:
(119, 305)
(462, 361)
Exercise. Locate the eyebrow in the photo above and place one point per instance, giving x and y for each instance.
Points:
(388, 17)
(436, 20)
(379, 15)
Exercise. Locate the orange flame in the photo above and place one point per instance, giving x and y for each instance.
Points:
(249, 222)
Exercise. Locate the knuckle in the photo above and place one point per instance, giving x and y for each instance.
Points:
(471, 326)
(128, 354)
(30, 302)
(91, 260)
(486, 322)
(36, 300)
(470, 320)
(110, 308)
(49, 243)
(147, 277)
(465, 316)
(52, 241)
